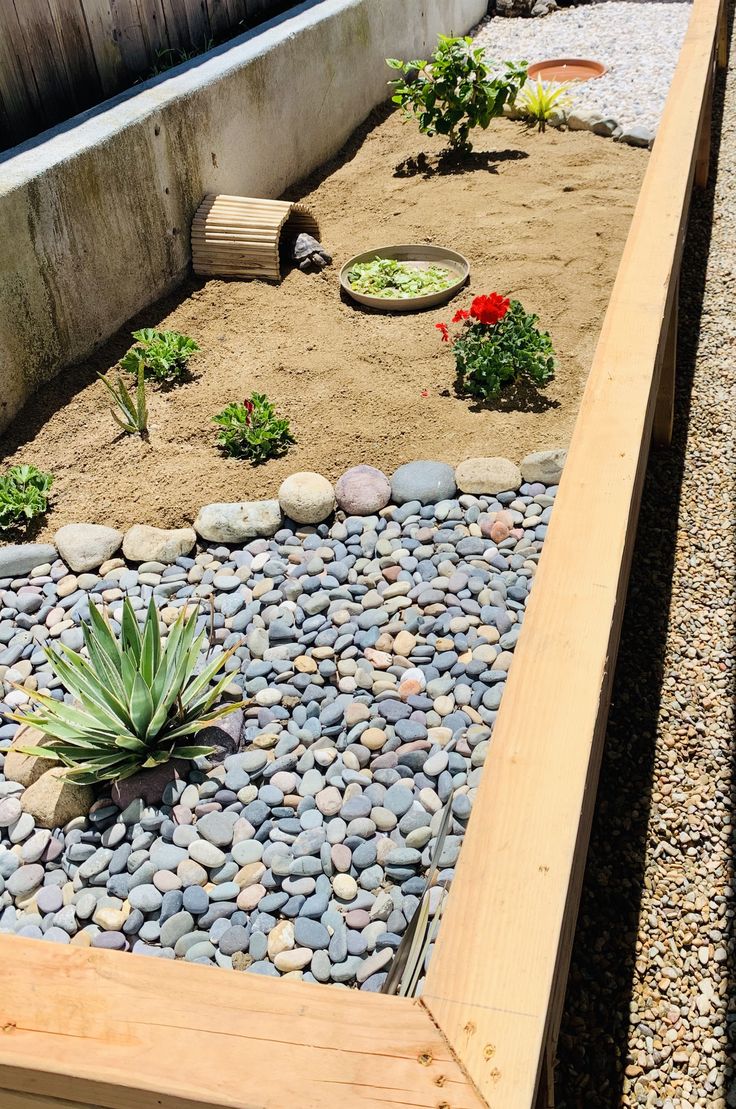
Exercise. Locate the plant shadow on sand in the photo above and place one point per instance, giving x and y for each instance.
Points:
(456, 162)
(522, 396)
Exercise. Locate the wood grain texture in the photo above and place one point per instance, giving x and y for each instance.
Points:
(104, 1029)
(239, 236)
(496, 981)
(58, 57)
(664, 412)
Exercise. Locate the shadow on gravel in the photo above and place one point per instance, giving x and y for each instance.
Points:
(594, 1036)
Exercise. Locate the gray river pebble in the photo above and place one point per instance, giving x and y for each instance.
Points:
(375, 652)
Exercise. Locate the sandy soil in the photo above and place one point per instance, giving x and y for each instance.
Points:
(542, 217)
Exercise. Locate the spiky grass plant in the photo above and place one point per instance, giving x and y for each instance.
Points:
(538, 101)
(132, 414)
(139, 700)
(411, 955)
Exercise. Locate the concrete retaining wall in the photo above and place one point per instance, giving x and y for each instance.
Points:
(94, 219)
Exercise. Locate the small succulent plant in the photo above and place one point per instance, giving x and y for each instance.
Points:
(137, 701)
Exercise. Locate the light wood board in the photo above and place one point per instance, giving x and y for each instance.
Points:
(127, 1032)
(496, 981)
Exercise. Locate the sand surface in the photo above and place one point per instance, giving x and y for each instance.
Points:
(540, 217)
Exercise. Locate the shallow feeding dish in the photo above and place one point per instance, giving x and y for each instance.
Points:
(417, 256)
(566, 69)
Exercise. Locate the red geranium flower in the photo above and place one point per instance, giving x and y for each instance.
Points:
(424, 393)
(445, 333)
(461, 314)
(489, 309)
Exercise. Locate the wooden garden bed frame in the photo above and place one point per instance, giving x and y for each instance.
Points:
(81, 1027)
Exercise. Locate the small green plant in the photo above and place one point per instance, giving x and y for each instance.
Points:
(163, 354)
(253, 430)
(498, 344)
(132, 414)
(457, 91)
(138, 701)
(538, 101)
(24, 495)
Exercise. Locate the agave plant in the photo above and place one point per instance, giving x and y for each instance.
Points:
(538, 101)
(138, 701)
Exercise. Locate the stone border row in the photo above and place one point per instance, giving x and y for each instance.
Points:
(582, 119)
(305, 498)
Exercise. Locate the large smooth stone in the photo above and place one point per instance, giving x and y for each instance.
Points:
(426, 482)
(306, 497)
(636, 136)
(487, 475)
(148, 785)
(18, 559)
(582, 120)
(225, 522)
(86, 546)
(143, 543)
(53, 801)
(544, 466)
(362, 490)
(26, 769)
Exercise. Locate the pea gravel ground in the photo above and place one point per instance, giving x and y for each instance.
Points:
(651, 1003)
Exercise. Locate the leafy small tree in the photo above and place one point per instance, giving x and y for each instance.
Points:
(457, 91)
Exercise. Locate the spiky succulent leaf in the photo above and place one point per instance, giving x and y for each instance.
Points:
(136, 698)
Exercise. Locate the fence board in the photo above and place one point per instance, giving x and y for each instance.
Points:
(153, 27)
(105, 50)
(18, 90)
(198, 23)
(129, 36)
(75, 53)
(177, 28)
(58, 57)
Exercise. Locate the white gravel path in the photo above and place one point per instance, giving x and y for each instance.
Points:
(626, 37)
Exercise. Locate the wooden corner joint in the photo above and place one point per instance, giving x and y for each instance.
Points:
(471, 1092)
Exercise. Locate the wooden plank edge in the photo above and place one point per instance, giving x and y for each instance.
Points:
(91, 1027)
(463, 1018)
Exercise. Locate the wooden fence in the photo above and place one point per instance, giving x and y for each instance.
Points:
(58, 57)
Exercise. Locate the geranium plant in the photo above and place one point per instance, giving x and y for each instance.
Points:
(253, 430)
(498, 342)
(458, 90)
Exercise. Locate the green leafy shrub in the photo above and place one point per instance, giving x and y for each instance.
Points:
(538, 101)
(498, 344)
(253, 430)
(24, 495)
(139, 701)
(163, 354)
(457, 91)
(132, 413)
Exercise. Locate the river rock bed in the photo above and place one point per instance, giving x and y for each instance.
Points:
(375, 651)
